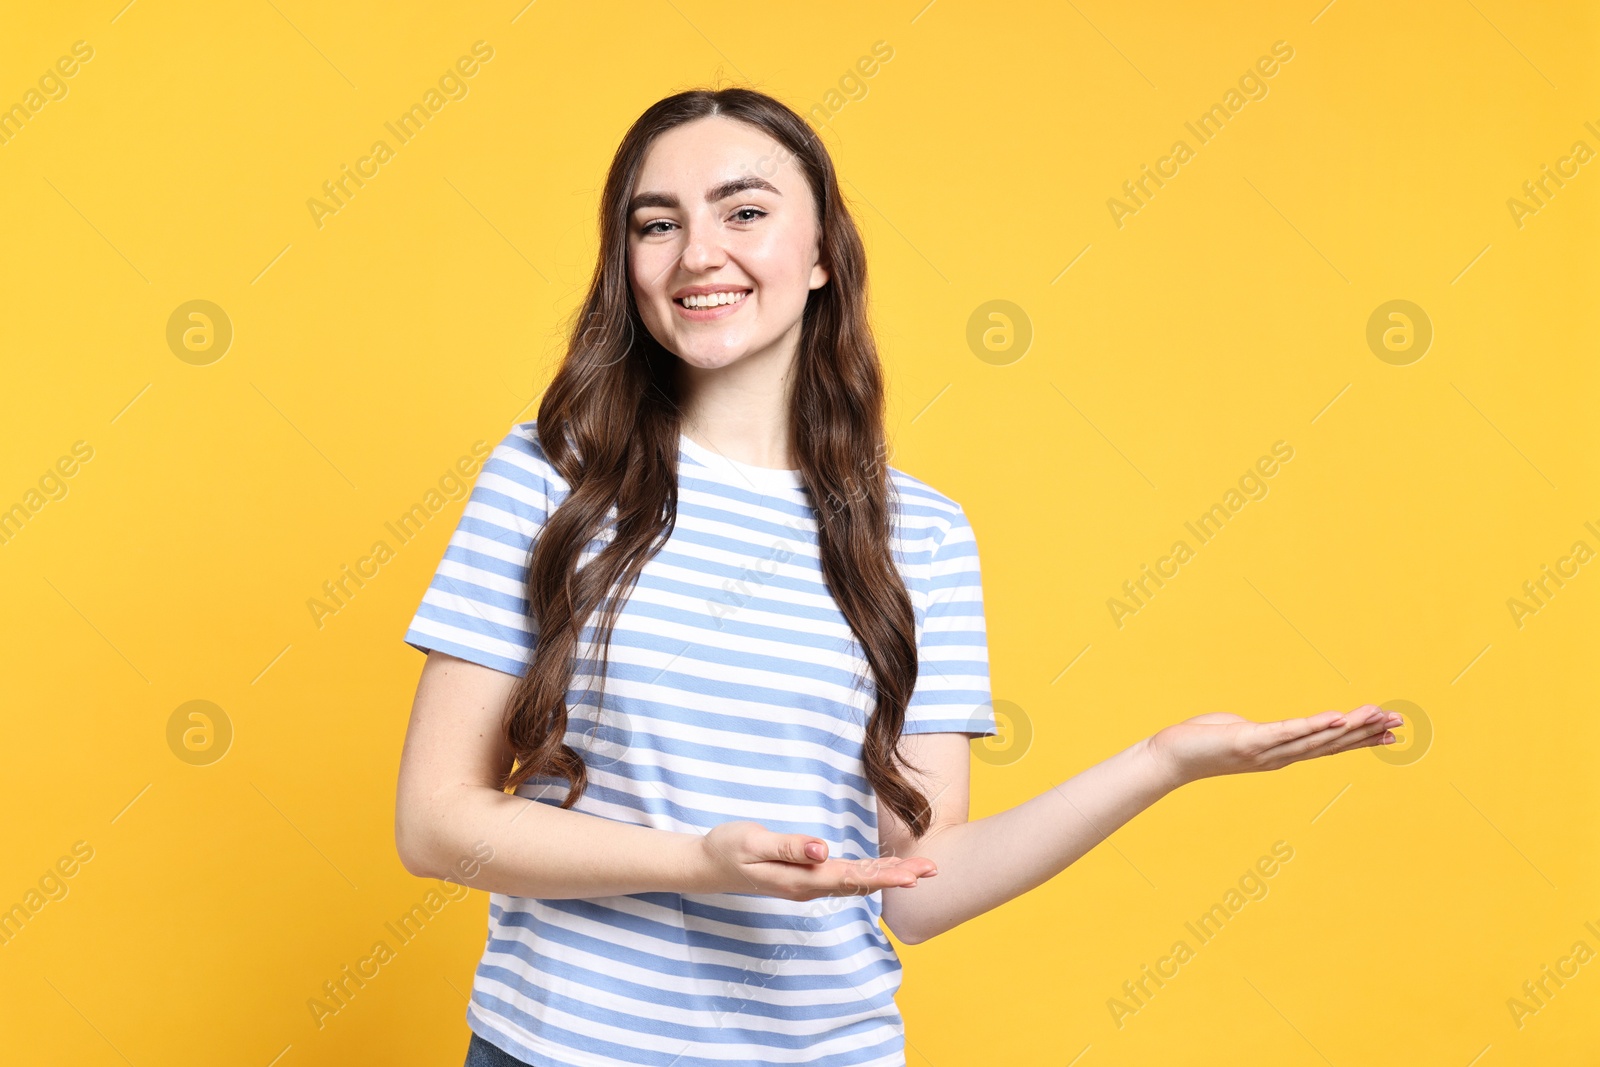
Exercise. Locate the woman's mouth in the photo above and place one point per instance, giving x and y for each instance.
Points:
(710, 305)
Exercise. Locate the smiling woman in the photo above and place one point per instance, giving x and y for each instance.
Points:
(720, 803)
(712, 891)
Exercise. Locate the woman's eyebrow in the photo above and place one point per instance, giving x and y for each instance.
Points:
(717, 192)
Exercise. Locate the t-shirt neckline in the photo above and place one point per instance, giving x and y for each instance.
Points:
(741, 474)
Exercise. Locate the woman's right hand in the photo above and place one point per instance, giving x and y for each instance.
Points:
(746, 857)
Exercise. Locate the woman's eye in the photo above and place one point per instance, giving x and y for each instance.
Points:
(742, 215)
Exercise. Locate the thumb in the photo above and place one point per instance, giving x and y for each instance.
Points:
(798, 848)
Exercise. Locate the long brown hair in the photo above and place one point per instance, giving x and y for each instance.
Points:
(609, 423)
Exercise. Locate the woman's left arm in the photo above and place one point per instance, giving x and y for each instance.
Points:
(983, 863)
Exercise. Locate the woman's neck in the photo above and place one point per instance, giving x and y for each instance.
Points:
(740, 410)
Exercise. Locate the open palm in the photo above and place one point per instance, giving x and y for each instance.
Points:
(1220, 743)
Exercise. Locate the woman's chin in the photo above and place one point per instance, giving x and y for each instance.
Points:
(711, 360)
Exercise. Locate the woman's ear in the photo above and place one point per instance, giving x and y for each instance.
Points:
(819, 276)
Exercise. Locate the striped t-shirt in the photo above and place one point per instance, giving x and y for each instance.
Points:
(736, 690)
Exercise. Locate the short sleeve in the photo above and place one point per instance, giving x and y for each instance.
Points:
(476, 605)
(952, 690)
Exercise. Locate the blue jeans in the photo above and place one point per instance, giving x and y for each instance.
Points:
(481, 1053)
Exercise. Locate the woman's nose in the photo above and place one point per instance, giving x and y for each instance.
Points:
(702, 247)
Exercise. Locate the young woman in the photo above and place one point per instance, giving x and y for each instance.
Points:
(703, 671)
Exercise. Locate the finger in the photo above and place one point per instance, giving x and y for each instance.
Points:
(1371, 738)
(871, 875)
(1325, 742)
(841, 878)
(1318, 743)
(1366, 733)
(1391, 719)
(1374, 723)
(795, 848)
(1354, 730)
(1365, 736)
(921, 866)
(1378, 736)
(864, 879)
(1291, 729)
(1360, 721)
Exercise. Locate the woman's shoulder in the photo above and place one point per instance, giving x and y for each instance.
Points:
(527, 432)
(522, 445)
(517, 474)
(924, 512)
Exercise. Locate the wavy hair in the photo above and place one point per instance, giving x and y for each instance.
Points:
(610, 422)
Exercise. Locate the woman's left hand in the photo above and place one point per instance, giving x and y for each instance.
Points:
(1219, 743)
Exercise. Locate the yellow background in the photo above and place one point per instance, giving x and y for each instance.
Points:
(1229, 313)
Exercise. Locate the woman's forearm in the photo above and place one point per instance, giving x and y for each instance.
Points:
(502, 843)
(986, 862)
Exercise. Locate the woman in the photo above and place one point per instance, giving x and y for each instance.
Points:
(756, 746)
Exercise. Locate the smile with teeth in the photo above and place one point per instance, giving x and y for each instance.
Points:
(711, 300)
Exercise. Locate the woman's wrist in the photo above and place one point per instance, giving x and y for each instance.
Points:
(1166, 773)
(692, 865)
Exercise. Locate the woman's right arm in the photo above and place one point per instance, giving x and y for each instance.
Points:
(449, 806)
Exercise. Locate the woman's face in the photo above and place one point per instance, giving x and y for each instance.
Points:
(721, 206)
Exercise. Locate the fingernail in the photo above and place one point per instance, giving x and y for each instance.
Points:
(1388, 738)
(814, 850)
